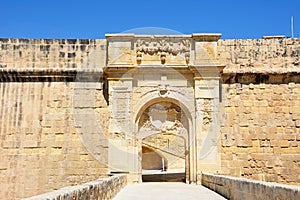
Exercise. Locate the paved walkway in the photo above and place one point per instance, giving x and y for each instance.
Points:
(166, 191)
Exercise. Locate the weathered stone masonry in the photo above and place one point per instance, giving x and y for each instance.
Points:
(40, 147)
(104, 188)
(261, 83)
(238, 188)
(51, 89)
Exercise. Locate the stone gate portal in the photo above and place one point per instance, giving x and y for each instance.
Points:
(159, 88)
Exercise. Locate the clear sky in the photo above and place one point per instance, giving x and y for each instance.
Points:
(93, 18)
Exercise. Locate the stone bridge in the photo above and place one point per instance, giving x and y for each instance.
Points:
(213, 187)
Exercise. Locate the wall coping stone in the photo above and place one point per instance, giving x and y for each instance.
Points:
(104, 188)
(238, 188)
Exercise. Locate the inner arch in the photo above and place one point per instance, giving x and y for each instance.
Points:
(163, 128)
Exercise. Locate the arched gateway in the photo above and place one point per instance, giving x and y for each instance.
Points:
(164, 100)
(163, 128)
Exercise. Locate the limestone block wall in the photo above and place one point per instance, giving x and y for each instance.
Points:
(260, 55)
(44, 143)
(260, 136)
(52, 53)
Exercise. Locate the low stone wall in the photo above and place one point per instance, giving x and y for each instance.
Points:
(105, 188)
(239, 188)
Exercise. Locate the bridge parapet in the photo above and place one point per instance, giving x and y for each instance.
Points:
(105, 188)
(240, 188)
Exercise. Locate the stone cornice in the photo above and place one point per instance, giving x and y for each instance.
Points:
(262, 71)
(207, 68)
(45, 74)
(206, 36)
(256, 78)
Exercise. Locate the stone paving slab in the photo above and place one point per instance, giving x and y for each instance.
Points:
(166, 191)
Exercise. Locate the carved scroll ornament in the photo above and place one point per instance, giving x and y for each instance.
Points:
(162, 47)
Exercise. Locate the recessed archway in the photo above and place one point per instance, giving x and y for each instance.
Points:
(163, 129)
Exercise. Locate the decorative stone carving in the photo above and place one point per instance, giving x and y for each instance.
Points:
(163, 118)
(163, 91)
(163, 57)
(161, 129)
(170, 126)
(166, 127)
(156, 46)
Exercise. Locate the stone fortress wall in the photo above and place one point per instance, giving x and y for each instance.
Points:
(42, 147)
(261, 134)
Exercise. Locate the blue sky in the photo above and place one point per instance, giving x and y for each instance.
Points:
(94, 18)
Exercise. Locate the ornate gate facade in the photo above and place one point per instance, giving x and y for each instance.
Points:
(164, 103)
